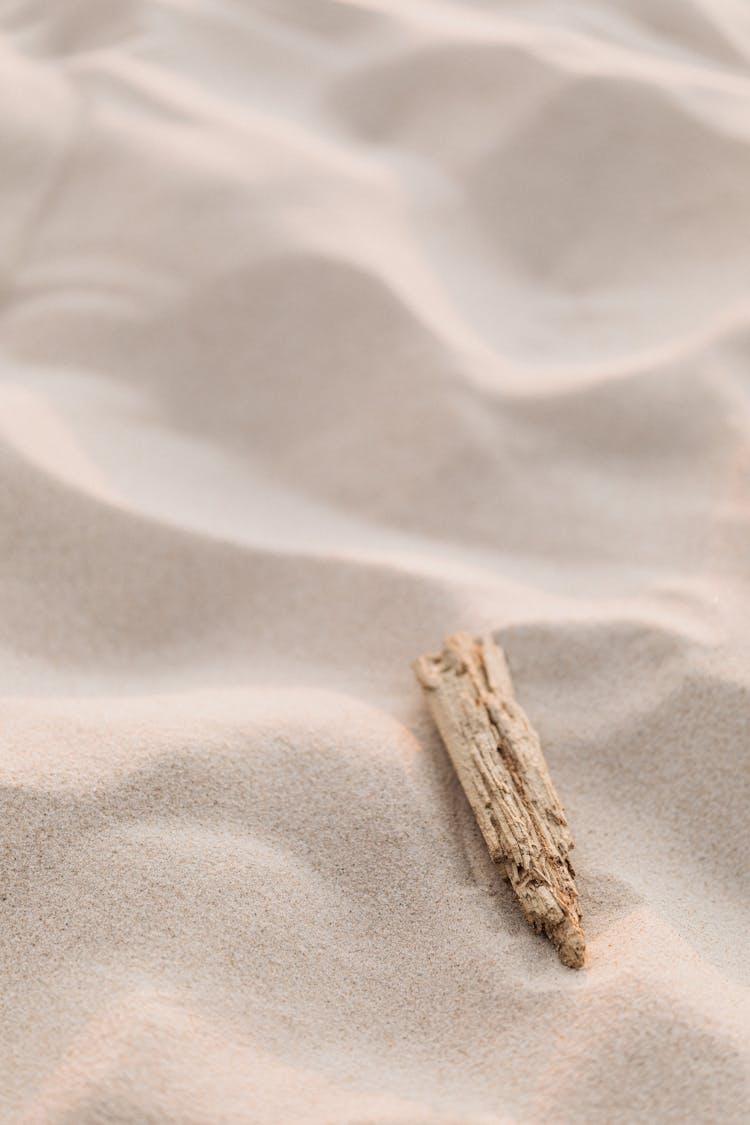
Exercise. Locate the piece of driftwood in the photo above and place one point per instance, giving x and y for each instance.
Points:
(500, 765)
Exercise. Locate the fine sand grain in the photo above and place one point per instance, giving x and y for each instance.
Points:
(327, 329)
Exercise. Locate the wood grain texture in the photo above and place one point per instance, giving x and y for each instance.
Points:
(499, 762)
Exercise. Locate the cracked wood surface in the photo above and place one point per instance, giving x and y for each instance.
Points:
(499, 762)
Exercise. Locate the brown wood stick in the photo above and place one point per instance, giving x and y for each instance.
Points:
(499, 762)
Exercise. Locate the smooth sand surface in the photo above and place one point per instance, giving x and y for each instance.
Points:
(328, 328)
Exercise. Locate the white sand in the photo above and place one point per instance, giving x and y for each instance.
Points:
(328, 328)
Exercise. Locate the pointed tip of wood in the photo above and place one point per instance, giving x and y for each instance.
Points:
(571, 944)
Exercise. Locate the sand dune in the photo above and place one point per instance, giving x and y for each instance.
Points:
(328, 328)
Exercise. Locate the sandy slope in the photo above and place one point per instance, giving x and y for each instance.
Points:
(327, 328)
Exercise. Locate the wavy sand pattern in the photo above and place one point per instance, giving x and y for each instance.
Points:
(328, 328)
